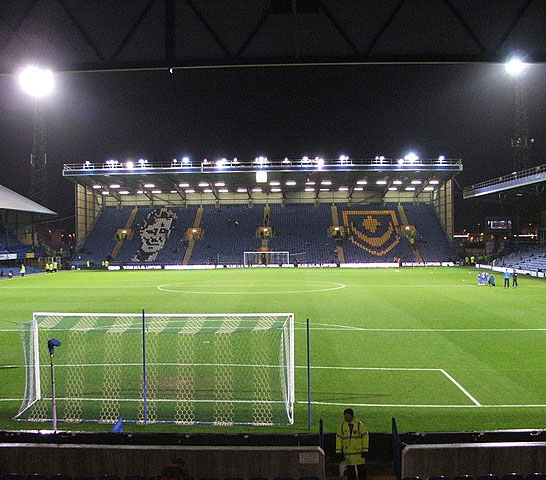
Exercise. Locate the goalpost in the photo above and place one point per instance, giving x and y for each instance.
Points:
(219, 369)
(265, 258)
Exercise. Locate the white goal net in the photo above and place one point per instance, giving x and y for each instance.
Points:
(251, 259)
(221, 369)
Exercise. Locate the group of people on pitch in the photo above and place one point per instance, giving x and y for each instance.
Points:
(485, 278)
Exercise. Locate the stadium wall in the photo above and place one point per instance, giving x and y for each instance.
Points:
(95, 461)
(88, 206)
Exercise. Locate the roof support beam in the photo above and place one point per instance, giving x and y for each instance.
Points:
(133, 29)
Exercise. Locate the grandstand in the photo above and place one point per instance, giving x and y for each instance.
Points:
(18, 238)
(323, 212)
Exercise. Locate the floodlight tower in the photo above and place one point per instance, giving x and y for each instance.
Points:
(38, 83)
(521, 143)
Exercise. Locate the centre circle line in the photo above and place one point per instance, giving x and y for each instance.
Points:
(165, 288)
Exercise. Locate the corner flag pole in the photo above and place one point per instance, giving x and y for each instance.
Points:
(144, 380)
(51, 344)
(308, 376)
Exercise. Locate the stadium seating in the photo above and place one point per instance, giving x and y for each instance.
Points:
(533, 259)
(173, 249)
(302, 230)
(376, 250)
(101, 240)
(9, 243)
(432, 241)
(228, 231)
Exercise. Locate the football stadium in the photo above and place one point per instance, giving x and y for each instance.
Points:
(271, 316)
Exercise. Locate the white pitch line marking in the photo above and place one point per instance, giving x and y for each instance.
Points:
(394, 405)
(461, 388)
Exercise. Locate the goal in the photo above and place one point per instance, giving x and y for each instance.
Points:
(265, 258)
(220, 369)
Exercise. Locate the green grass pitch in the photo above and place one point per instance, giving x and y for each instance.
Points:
(427, 346)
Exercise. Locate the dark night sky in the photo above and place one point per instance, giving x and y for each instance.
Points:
(461, 111)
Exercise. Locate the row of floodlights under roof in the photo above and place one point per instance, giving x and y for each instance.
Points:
(260, 161)
(276, 183)
(275, 187)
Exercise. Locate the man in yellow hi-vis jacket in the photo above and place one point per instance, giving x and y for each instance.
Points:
(352, 440)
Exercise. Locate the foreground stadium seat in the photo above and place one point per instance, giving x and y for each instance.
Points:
(462, 477)
(489, 476)
(437, 477)
(536, 476)
(59, 476)
(513, 476)
(110, 477)
(411, 478)
(135, 477)
(12, 476)
(37, 476)
(309, 478)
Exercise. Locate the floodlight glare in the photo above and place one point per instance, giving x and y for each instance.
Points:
(514, 66)
(37, 82)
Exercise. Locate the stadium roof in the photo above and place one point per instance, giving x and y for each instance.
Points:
(83, 35)
(222, 178)
(529, 183)
(10, 200)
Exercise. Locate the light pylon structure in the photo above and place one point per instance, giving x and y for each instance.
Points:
(38, 83)
(521, 143)
(38, 157)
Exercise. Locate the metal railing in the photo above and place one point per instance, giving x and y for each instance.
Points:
(262, 163)
(528, 172)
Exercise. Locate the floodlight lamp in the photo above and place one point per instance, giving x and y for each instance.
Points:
(441, 158)
(412, 157)
(130, 164)
(185, 160)
(514, 66)
(36, 82)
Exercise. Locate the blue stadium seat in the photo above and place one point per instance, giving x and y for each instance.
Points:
(437, 477)
(12, 476)
(135, 477)
(37, 476)
(59, 476)
(462, 477)
(536, 476)
(110, 477)
(411, 478)
(513, 476)
(309, 478)
(489, 476)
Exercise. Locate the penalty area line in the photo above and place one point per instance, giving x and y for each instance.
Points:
(461, 388)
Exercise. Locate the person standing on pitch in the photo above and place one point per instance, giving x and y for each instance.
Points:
(352, 440)
(23, 271)
(514, 278)
(507, 279)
